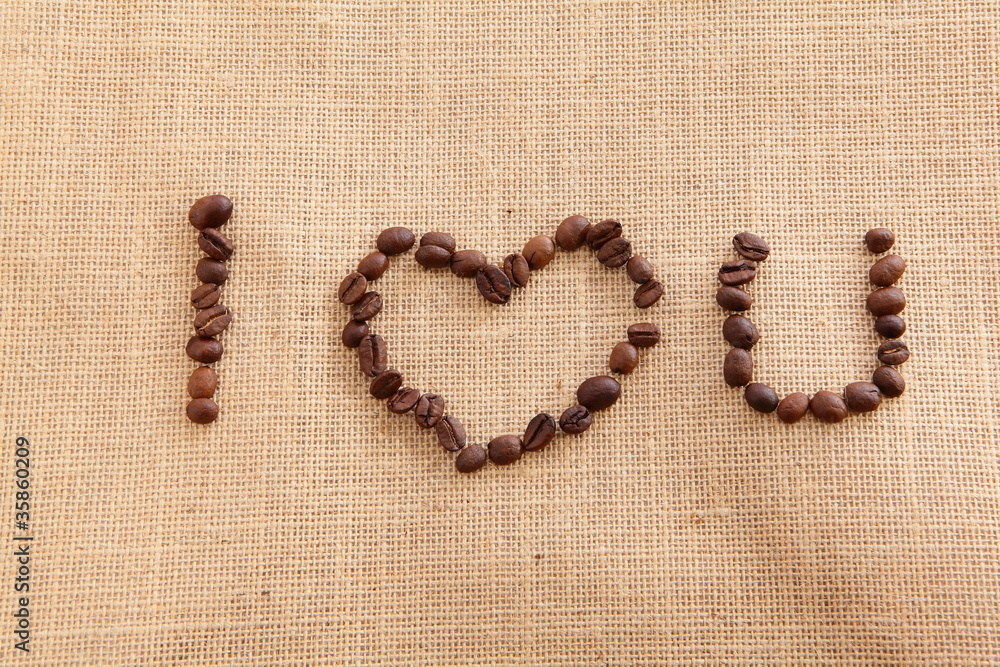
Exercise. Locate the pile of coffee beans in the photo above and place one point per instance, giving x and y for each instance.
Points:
(885, 303)
(496, 283)
(207, 215)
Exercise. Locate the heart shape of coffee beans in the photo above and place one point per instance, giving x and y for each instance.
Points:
(437, 250)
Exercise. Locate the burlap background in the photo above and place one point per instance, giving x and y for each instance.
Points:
(310, 526)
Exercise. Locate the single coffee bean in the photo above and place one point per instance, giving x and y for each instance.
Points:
(403, 400)
(354, 332)
(761, 397)
(644, 334)
(352, 287)
(751, 246)
(889, 381)
(432, 256)
(576, 419)
(204, 350)
(893, 352)
(372, 355)
(615, 252)
(603, 232)
(886, 301)
(202, 410)
(828, 407)
(539, 432)
(429, 410)
(793, 407)
(372, 266)
(465, 263)
(504, 449)
(395, 240)
(624, 358)
(740, 332)
(210, 211)
(737, 369)
(572, 232)
(598, 393)
(639, 269)
(212, 321)
(215, 244)
(737, 273)
(470, 459)
(450, 433)
(862, 396)
(367, 307)
(205, 295)
(515, 266)
(439, 239)
(647, 294)
(493, 284)
(733, 298)
(879, 240)
(890, 326)
(203, 382)
(385, 384)
(211, 270)
(887, 270)
(539, 251)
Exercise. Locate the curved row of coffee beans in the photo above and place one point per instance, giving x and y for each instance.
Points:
(495, 283)
(207, 215)
(885, 304)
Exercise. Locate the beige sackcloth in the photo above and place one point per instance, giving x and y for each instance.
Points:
(310, 526)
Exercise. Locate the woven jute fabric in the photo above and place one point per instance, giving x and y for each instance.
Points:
(310, 526)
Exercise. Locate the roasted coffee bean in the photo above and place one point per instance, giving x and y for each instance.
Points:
(439, 239)
(751, 246)
(211, 270)
(733, 298)
(572, 232)
(603, 232)
(210, 211)
(493, 284)
(639, 269)
(404, 400)
(737, 369)
(624, 358)
(737, 273)
(887, 270)
(576, 419)
(828, 407)
(879, 240)
(372, 266)
(515, 266)
(429, 410)
(450, 433)
(889, 381)
(539, 432)
(395, 240)
(890, 326)
(204, 350)
(215, 244)
(793, 407)
(354, 332)
(539, 251)
(432, 257)
(740, 332)
(385, 384)
(465, 263)
(504, 449)
(470, 459)
(372, 355)
(352, 287)
(761, 397)
(367, 307)
(202, 410)
(598, 393)
(205, 295)
(644, 334)
(615, 252)
(893, 352)
(647, 294)
(212, 321)
(886, 301)
(203, 382)
(862, 396)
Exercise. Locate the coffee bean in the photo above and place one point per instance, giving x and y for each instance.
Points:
(879, 240)
(751, 246)
(886, 301)
(615, 252)
(639, 269)
(862, 396)
(515, 266)
(889, 381)
(572, 232)
(539, 251)
(493, 284)
(211, 270)
(450, 433)
(204, 350)
(504, 449)
(367, 307)
(429, 410)
(439, 239)
(372, 355)
(733, 298)
(202, 410)
(210, 211)
(432, 257)
(539, 432)
(761, 397)
(203, 382)
(372, 266)
(576, 419)
(354, 332)
(603, 232)
(737, 369)
(890, 326)
(215, 244)
(740, 332)
(737, 273)
(599, 392)
(385, 384)
(205, 295)
(352, 287)
(395, 240)
(887, 270)
(404, 400)
(893, 352)
(647, 294)
(793, 407)
(465, 263)
(828, 407)
(470, 459)
(212, 321)
(644, 334)
(624, 358)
